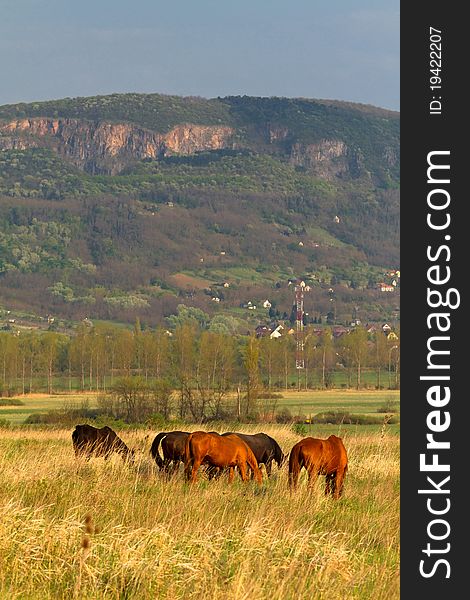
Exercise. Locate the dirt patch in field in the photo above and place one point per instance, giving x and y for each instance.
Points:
(41, 395)
(184, 281)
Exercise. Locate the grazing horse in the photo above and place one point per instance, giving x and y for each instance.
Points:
(91, 441)
(220, 452)
(264, 447)
(320, 457)
(172, 443)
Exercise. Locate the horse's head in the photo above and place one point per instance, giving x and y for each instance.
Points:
(281, 459)
(129, 456)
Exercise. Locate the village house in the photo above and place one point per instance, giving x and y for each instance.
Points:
(276, 333)
(385, 287)
(339, 331)
(262, 331)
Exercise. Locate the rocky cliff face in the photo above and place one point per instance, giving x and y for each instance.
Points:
(326, 159)
(103, 147)
(107, 147)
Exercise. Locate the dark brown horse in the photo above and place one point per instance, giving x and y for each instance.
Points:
(91, 441)
(264, 447)
(218, 451)
(172, 443)
(320, 457)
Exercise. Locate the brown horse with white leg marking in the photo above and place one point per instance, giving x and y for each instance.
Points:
(320, 457)
(221, 452)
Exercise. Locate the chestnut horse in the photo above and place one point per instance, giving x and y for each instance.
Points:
(221, 452)
(172, 443)
(91, 441)
(320, 457)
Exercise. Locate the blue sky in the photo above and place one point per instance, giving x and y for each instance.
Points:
(338, 49)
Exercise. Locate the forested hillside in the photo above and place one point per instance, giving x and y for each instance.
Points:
(125, 206)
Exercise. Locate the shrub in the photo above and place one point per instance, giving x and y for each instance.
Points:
(300, 429)
(284, 416)
(65, 417)
(346, 418)
(11, 402)
(390, 406)
(267, 395)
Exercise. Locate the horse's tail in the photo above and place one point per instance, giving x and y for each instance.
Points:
(154, 449)
(253, 463)
(294, 466)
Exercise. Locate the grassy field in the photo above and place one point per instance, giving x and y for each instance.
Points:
(72, 529)
(40, 403)
(306, 403)
(355, 401)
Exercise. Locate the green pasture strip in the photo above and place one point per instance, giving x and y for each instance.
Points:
(33, 404)
(360, 401)
(307, 403)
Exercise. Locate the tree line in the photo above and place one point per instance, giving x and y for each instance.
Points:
(195, 369)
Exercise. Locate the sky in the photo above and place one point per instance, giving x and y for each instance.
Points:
(336, 49)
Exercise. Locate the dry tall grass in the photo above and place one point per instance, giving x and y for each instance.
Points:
(97, 530)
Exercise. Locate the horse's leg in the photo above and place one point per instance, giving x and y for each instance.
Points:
(212, 472)
(313, 472)
(174, 467)
(196, 465)
(330, 483)
(187, 470)
(294, 472)
(231, 474)
(338, 489)
(268, 466)
(165, 466)
(242, 469)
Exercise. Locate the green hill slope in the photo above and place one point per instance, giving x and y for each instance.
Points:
(161, 198)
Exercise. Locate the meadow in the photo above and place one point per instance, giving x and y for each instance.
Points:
(76, 529)
(307, 403)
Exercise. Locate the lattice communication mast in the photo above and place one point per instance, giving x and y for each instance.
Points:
(299, 325)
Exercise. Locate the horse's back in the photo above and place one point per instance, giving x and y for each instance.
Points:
(94, 440)
(220, 450)
(329, 454)
(84, 434)
(261, 444)
(338, 450)
(173, 444)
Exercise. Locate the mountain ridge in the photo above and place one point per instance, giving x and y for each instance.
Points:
(283, 126)
(260, 189)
